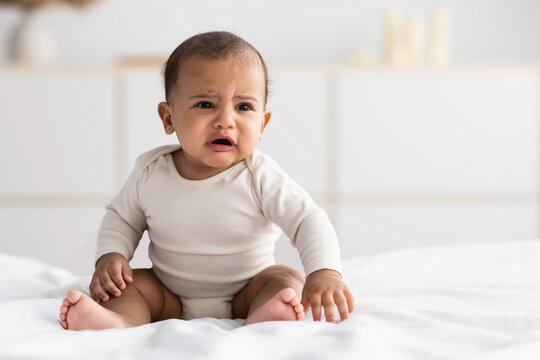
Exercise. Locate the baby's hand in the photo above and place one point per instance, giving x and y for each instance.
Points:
(111, 274)
(325, 288)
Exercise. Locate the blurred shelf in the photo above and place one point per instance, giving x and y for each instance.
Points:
(158, 62)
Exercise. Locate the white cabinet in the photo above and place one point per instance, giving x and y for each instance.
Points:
(57, 151)
(433, 156)
(398, 158)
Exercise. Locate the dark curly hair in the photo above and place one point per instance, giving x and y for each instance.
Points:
(210, 45)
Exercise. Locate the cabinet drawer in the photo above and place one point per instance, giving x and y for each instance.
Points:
(456, 130)
(56, 132)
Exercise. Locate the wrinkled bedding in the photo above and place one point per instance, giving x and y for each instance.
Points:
(478, 301)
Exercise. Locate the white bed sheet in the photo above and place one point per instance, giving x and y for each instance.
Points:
(477, 302)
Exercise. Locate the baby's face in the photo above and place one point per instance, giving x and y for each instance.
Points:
(217, 111)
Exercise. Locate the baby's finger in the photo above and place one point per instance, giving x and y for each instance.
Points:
(341, 303)
(116, 275)
(93, 294)
(329, 306)
(127, 273)
(315, 303)
(350, 300)
(97, 287)
(305, 302)
(109, 285)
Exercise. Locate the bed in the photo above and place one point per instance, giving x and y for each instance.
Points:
(470, 301)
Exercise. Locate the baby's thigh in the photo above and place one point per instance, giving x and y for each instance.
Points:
(163, 304)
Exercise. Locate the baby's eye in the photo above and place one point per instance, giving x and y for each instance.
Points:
(244, 107)
(204, 105)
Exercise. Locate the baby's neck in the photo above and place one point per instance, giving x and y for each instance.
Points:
(189, 169)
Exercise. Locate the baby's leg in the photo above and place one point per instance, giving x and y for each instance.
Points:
(273, 294)
(143, 301)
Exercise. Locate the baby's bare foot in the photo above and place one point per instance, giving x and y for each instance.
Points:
(79, 312)
(285, 305)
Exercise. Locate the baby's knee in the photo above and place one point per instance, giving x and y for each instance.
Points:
(283, 272)
(145, 280)
(163, 304)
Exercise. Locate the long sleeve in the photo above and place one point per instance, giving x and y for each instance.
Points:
(124, 221)
(289, 206)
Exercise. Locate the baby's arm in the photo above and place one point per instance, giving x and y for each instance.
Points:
(324, 288)
(119, 234)
(289, 206)
(110, 277)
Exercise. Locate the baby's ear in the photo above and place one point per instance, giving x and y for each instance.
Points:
(165, 113)
(267, 115)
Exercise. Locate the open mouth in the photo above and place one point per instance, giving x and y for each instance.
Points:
(222, 142)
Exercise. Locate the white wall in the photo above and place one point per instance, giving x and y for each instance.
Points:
(283, 30)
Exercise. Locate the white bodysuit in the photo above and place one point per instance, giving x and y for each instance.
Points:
(209, 237)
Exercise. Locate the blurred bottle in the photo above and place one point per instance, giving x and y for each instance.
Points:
(415, 42)
(403, 40)
(439, 42)
(33, 42)
(394, 51)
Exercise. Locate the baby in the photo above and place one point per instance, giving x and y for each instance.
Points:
(214, 207)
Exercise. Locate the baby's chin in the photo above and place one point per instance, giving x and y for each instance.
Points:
(221, 162)
(225, 159)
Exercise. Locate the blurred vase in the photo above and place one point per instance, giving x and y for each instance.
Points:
(33, 41)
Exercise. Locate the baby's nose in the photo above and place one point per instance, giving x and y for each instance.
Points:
(224, 120)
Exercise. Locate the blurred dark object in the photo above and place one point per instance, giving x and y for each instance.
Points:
(33, 41)
(40, 3)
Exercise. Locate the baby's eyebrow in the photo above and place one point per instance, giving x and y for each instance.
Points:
(199, 96)
(246, 97)
(213, 95)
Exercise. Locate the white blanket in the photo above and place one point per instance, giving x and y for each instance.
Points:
(449, 302)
